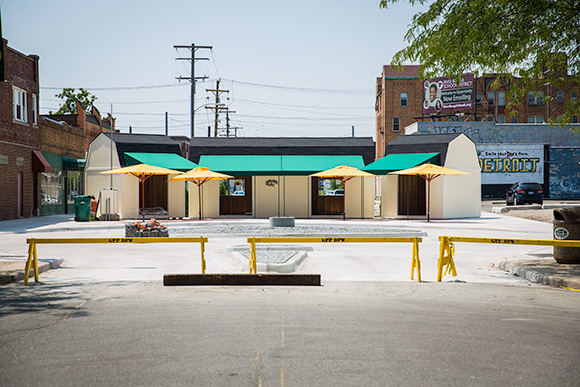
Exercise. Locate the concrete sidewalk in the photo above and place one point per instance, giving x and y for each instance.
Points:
(536, 266)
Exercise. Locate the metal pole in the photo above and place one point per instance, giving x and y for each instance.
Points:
(166, 125)
(192, 101)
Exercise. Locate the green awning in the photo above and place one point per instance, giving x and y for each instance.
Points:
(252, 165)
(73, 164)
(163, 160)
(397, 162)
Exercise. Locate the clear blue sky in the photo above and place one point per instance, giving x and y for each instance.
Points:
(293, 68)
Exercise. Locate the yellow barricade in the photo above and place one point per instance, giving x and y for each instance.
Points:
(33, 257)
(447, 249)
(415, 263)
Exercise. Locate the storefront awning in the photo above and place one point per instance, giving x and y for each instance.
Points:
(252, 165)
(73, 164)
(39, 162)
(163, 160)
(397, 162)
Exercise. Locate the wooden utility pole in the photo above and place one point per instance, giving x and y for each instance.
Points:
(192, 78)
(218, 106)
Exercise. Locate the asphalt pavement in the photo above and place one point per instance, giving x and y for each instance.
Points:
(346, 262)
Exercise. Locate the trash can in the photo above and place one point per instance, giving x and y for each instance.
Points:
(567, 227)
(83, 208)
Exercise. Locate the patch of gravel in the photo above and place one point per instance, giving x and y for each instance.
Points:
(538, 215)
(314, 230)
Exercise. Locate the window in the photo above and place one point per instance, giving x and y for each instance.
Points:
(403, 99)
(490, 98)
(52, 187)
(330, 187)
(501, 120)
(490, 118)
(478, 96)
(396, 124)
(19, 105)
(34, 110)
(574, 119)
(560, 96)
(501, 98)
(234, 187)
(574, 94)
(514, 120)
(74, 185)
(535, 98)
(535, 119)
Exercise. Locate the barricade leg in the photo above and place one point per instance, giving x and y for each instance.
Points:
(202, 256)
(28, 263)
(415, 263)
(252, 261)
(445, 259)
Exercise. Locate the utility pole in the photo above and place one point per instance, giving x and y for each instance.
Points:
(193, 78)
(228, 128)
(217, 106)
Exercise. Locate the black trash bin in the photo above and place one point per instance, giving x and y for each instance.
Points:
(567, 227)
(83, 208)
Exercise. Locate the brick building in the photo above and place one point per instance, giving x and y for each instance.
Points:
(92, 123)
(21, 161)
(400, 96)
(63, 146)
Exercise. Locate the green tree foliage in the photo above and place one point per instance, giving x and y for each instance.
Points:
(70, 97)
(537, 41)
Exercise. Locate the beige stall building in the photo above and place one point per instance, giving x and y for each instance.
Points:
(451, 196)
(120, 195)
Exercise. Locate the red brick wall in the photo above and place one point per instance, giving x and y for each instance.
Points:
(17, 139)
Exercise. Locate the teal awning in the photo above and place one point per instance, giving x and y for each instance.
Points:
(397, 162)
(72, 163)
(163, 160)
(258, 165)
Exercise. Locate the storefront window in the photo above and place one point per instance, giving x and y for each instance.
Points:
(330, 187)
(233, 187)
(73, 185)
(52, 187)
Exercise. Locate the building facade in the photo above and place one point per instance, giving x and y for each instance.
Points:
(20, 159)
(401, 95)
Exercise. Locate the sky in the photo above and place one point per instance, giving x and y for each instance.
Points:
(302, 68)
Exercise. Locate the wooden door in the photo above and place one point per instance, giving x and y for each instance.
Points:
(412, 195)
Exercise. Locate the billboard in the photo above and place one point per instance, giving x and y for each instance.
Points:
(509, 163)
(446, 95)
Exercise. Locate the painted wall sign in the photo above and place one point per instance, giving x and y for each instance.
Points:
(509, 163)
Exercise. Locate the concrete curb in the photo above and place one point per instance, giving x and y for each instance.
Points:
(519, 269)
(241, 280)
(43, 266)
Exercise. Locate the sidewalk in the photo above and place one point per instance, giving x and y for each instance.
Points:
(538, 268)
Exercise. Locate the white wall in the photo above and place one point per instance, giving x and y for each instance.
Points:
(359, 197)
(176, 198)
(265, 203)
(296, 200)
(458, 196)
(210, 199)
(390, 196)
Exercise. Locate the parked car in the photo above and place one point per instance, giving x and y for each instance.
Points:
(339, 192)
(523, 193)
(238, 193)
(329, 193)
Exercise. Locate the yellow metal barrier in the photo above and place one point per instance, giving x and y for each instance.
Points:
(415, 263)
(447, 249)
(33, 257)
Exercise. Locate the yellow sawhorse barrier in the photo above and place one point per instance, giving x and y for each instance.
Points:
(415, 263)
(33, 256)
(447, 249)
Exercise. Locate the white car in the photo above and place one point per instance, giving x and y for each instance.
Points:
(238, 193)
(329, 193)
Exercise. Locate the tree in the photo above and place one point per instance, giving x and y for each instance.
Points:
(69, 106)
(537, 41)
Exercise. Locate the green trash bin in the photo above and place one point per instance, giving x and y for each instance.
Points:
(82, 208)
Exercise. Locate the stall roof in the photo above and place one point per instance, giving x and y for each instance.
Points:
(163, 160)
(265, 165)
(399, 161)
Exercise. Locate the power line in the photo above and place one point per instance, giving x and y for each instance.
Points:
(302, 89)
(116, 88)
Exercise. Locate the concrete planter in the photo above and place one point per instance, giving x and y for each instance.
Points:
(288, 221)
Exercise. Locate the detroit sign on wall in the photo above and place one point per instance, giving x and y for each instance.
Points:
(509, 163)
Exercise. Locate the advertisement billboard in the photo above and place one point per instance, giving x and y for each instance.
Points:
(509, 163)
(446, 95)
